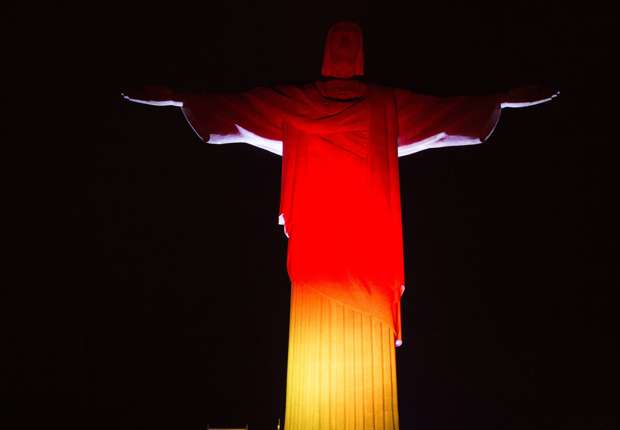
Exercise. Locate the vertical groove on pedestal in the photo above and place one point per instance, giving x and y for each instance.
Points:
(341, 367)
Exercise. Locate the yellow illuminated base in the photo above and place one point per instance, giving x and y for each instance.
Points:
(341, 367)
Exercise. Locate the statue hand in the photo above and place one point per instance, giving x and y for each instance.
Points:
(154, 95)
(528, 96)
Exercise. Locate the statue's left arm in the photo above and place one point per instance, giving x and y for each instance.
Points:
(427, 122)
(154, 95)
(255, 117)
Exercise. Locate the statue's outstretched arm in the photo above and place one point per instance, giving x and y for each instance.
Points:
(254, 116)
(154, 96)
(527, 96)
(426, 122)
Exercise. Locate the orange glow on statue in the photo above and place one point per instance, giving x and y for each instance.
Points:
(340, 139)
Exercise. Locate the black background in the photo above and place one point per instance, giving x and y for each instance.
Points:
(511, 260)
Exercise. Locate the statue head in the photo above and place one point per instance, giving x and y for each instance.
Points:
(344, 51)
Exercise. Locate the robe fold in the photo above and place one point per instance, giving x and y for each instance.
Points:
(340, 196)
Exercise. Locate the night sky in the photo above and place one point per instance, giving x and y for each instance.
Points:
(510, 257)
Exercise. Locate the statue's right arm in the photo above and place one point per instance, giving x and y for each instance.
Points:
(154, 96)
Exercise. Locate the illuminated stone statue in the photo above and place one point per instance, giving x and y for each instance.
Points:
(340, 139)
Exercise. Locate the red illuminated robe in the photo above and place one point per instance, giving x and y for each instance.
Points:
(340, 198)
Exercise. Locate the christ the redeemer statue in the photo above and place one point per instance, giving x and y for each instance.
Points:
(340, 139)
